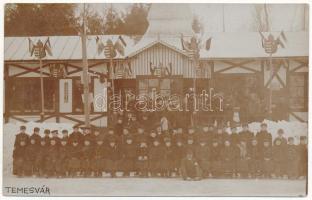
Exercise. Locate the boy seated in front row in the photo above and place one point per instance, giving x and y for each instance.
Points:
(190, 169)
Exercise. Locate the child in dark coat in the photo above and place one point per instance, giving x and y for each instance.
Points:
(52, 156)
(279, 158)
(42, 156)
(292, 159)
(242, 159)
(179, 154)
(215, 158)
(303, 157)
(142, 162)
(128, 151)
(87, 153)
(253, 155)
(113, 158)
(74, 158)
(202, 155)
(98, 164)
(266, 159)
(62, 160)
(156, 156)
(168, 162)
(31, 156)
(228, 159)
(19, 157)
(264, 135)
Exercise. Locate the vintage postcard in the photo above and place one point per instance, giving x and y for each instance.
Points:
(155, 99)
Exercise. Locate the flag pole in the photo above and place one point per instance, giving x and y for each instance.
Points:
(41, 87)
(270, 89)
(85, 70)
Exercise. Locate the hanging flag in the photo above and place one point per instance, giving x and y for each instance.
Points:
(31, 47)
(99, 44)
(208, 44)
(283, 36)
(185, 44)
(120, 45)
(47, 46)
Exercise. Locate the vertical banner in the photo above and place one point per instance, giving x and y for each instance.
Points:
(100, 96)
(66, 95)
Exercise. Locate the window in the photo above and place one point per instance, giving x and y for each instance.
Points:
(27, 97)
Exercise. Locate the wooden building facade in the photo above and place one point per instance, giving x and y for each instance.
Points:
(245, 72)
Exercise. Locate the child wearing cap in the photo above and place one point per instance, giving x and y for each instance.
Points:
(36, 136)
(245, 134)
(76, 135)
(65, 134)
(56, 137)
(263, 134)
(46, 137)
(21, 136)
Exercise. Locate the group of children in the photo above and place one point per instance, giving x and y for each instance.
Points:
(192, 154)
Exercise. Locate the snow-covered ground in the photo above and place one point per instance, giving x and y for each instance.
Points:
(161, 187)
(153, 186)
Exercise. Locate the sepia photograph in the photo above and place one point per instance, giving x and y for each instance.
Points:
(155, 99)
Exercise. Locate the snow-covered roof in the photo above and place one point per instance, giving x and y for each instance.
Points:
(63, 47)
(223, 45)
(248, 45)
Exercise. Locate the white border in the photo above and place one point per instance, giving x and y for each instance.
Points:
(149, 1)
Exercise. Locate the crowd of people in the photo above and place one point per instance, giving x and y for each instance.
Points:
(191, 153)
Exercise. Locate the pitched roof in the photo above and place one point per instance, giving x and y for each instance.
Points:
(223, 45)
(63, 47)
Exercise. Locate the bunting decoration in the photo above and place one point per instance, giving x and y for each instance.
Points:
(40, 49)
(160, 70)
(270, 44)
(194, 45)
(110, 48)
